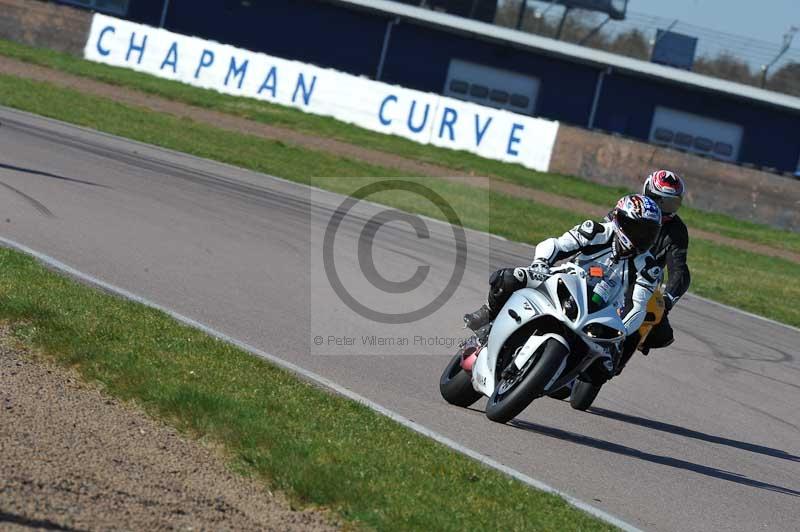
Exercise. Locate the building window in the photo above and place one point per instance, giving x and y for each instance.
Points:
(459, 87)
(479, 91)
(723, 148)
(703, 144)
(664, 135)
(518, 100)
(499, 96)
(683, 139)
(112, 7)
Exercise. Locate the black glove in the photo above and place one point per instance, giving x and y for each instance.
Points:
(669, 302)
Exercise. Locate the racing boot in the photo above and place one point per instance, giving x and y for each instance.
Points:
(645, 349)
(478, 319)
(483, 333)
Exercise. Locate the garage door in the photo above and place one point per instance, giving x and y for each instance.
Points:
(492, 87)
(696, 133)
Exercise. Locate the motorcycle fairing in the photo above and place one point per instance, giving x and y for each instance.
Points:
(529, 304)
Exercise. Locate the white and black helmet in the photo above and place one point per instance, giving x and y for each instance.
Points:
(637, 220)
(665, 188)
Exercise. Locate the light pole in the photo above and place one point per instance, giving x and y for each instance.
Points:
(654, 40)
(473, 8)
(523, 5)
(787, 42)
(164, 14)
(561, 24)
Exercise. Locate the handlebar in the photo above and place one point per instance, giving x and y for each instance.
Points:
(565, 268)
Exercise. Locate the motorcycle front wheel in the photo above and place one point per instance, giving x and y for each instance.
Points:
(512, 396)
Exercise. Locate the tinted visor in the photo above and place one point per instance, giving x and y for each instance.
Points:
(667, 204)
(642, 233)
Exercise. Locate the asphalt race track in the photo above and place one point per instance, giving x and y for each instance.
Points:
(704, 435)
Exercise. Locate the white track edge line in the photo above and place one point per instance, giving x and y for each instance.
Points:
(327, 383)
(740, 311)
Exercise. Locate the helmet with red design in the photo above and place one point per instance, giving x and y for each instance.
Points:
(667, 189)
(637, 220)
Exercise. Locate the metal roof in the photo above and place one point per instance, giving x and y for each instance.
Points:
(573, 52)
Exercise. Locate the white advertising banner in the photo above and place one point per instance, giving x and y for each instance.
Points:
(422, 117)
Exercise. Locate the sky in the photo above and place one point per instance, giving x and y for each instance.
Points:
(767, 20)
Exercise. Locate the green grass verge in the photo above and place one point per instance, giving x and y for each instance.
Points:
(322, 126)
(766, 286)
(320, 448)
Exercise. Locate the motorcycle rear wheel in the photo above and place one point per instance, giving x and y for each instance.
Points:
(505, 406)
(455, 384)
(583, 394)
(561, 393)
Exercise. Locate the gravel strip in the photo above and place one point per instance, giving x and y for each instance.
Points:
(73, 458)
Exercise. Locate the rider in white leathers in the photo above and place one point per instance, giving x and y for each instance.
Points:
(621, 244)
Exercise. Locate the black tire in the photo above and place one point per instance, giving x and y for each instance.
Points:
(506, 406)
(583, 394)
(455, 384)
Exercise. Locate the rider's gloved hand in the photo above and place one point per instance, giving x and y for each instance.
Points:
(669, 302)
(539, 270)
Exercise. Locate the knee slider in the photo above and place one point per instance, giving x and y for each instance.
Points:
(502, 284)
(507, 279)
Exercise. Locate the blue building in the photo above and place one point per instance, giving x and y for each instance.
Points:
(499, 67)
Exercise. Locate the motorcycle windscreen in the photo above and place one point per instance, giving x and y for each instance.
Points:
(603, 285)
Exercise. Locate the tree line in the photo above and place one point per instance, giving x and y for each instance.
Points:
(579, 25)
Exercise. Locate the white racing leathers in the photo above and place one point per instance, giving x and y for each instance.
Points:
(594, 241)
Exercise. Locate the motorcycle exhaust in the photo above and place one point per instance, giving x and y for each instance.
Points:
(469, 354)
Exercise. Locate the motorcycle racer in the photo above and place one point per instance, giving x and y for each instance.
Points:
(621, 243)
(670, 251)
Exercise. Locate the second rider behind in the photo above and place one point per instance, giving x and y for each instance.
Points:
(621, 243)
(670, 250)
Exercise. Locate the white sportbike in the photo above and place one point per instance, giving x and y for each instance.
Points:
(542, 339)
